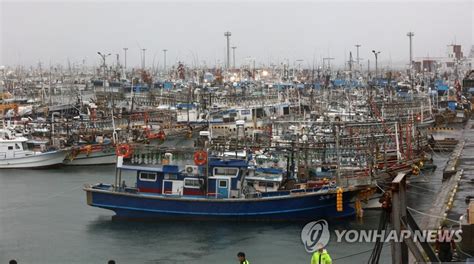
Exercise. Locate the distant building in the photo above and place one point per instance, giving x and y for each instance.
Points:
(455, 52)
(454, 58)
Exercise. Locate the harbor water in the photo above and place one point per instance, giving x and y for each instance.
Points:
(44, 218)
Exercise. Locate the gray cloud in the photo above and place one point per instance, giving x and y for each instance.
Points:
(193, 31)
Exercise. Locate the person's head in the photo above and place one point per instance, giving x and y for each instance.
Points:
(241, 256)
(111, 261)
(444, 227)
(320, 247)
(12, 262)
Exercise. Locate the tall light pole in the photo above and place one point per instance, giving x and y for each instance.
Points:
(233, 56)
(410, 36)
(164, 60)
(104, 56)
(227, 34)
(143, 60)
(358, 58)
(376, 54)
(410, 69)
(125, 62)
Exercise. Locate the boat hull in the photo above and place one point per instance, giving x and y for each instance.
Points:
(282, 208)
(97, 158)
(40, 160)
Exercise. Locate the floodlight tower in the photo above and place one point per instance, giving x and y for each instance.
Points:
(227, 34)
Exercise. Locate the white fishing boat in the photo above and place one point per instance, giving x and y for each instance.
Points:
(14, 153)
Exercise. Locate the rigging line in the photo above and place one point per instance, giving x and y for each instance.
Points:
(422, 188)
(434, 216)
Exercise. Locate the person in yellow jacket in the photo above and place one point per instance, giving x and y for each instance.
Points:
(321, 256)
(242, 259)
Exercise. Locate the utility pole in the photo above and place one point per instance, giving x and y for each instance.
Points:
(410, 36)
(350, 61)
(104, 56)
(233, 55)
(164, 60)
(329, 62)
(143, 59)
(376, 54)
(125, 60)
(227, 34)
(368, 69)
(358, 58)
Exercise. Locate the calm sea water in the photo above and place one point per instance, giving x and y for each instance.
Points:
(44, 219)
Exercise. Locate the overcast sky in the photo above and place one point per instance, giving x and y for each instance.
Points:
(193, 31)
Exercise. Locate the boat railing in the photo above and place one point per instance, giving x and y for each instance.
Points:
(297, 191)
(253, 195)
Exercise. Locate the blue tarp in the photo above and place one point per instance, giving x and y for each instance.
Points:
(270, 170)
(139, 88)
(442, 87)
(185, 106)
(168, 85)
(452, 105)
(338, 82)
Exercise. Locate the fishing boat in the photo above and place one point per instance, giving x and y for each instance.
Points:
(217, 188)
(14, 153)
(91, 154)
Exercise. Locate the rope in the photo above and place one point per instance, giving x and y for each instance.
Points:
(434, 216)
(422, 188)
(377, 185)
(375, 256)
(460, 250)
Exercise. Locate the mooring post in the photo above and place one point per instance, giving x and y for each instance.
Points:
(399, 209)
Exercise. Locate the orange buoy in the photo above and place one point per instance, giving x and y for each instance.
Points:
(124, 150)
(200, 157)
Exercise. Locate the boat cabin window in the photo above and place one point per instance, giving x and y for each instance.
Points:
(148, 176)
(17, 146)
(245, 112)
(266, 184)
(192, 183)
(10, 147)
(169, 176)
(226, 171)
(222, 184)
(25, 146)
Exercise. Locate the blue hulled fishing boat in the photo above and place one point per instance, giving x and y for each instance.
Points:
(218, 188)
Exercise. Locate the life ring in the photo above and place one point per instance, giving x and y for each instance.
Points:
(161, 135)
(200, 157)
(124, 150)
